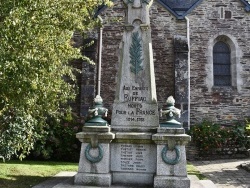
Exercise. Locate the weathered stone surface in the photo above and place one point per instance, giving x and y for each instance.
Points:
(133, 179)
(178, 139)
(133, 158)
(103, 180)
(180, 44)
(135, 102)
(102, 167)
(182, 78)
(178, 170)
(171, 130)
(163, 182)
(96, 129)
(133, 136)
(135, 115)
(140, 158)
(133, 155)
(100, 137)
(208, 22)
(171, 158)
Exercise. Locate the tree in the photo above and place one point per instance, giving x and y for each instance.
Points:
(35, 49)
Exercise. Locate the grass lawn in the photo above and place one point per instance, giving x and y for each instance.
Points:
(25, 174)
(191, 170)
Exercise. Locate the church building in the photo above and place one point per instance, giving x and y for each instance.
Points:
(201, 56)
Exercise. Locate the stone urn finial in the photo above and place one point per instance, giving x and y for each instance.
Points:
(96, 113)
(171, 112)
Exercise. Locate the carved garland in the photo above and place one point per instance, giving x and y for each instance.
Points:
(92, 159)
(171, 161)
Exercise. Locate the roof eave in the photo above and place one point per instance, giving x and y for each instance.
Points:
(179, 17)
(247, 7)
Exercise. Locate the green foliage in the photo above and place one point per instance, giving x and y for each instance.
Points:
(59, 141)
(192, 170)
(21, 128)
(204, 135)
(248, 127)
(211, 138)
(35, 48)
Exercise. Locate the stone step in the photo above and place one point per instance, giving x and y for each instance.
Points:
(57, 179)
(193, 178)
(66, 179)
(196, 183)
(207, 183)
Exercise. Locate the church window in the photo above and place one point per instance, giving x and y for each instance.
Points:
(221, 64)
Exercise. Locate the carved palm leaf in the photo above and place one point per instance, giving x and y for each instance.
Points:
(135, 52)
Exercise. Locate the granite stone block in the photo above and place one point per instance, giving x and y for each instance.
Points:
(89, 179)
(101, 167)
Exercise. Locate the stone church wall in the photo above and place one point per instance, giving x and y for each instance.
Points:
(211, 19)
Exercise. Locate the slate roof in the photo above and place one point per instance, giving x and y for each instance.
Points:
(247, 3)
(180, 8)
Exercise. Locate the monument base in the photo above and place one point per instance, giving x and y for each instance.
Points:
(170, 181)
(89, 179)
(94, 163)
(133, 179)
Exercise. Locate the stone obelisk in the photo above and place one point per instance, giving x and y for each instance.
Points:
(135, 106)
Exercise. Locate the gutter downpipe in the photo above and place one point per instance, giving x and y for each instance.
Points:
(100, 58)
(188, 41)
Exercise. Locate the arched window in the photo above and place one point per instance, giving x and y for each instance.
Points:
(221, 64)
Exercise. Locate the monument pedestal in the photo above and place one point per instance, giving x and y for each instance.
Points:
(133, 157)
(171, 158)
(94, 164)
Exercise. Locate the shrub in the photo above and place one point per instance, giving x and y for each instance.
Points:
(248, 127)
(17, 134)
(211, 138)
(59, 139)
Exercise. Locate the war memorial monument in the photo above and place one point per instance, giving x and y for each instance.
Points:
(136, 150)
